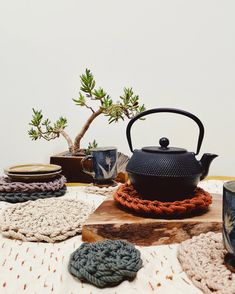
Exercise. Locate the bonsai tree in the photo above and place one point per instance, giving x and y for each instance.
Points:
(127, 107)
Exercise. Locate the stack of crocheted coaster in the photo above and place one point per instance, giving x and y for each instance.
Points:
(202, 258)
(20, 192)
(48, 220)
(105, 263)
(128, 197)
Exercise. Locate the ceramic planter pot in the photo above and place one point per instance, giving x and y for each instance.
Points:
(71, 167)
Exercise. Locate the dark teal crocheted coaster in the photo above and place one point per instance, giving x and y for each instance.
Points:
(22, 197)
(106, 263)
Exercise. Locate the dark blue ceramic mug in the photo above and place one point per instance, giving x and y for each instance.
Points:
(104, 164)
(229, 223)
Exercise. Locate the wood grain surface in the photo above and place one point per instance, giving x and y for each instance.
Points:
(110, 221)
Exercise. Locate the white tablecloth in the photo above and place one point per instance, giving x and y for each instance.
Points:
(27, 267)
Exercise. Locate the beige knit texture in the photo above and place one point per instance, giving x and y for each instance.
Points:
(202, 258)
(47, 220)
(104, 191)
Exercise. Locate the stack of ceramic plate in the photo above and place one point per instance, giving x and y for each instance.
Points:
(32, 172)
(31, 182)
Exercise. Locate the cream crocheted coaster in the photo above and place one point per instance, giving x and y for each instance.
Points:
(47, 220)
(104, 191)
(202, 258)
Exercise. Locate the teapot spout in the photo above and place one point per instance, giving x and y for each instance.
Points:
(205, 162)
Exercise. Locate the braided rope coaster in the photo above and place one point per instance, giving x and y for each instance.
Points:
(128, 197)
(22, 197)
(48, 220)
(8, 186)
(106, 263)
(202, 258)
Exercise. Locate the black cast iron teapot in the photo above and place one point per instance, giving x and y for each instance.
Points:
(166, 173)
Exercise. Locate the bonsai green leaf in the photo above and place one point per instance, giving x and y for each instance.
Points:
(47, 125)
(87, 82)
(33, 134)
(111, 120)
(134, 100)
(115, 112)
(130, 103)
(99, 94)
(59, 125)
(37, 117)
(91, 145)
(46, 122)
(107, 103)
(127, 107)
(128, 93)
(142, 108)
(81, 100)
(94, 144)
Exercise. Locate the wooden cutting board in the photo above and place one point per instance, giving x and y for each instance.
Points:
(110, 221)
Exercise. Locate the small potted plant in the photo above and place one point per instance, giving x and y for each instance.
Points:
(41, 128)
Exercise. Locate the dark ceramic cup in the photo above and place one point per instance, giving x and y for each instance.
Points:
(229, 223)
(104, 164)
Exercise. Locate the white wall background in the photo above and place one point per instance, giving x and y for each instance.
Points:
(173, 53)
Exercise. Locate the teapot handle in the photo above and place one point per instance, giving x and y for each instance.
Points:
(172, 110)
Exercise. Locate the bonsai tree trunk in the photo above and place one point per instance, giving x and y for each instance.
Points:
(69, 141)
(76, 146)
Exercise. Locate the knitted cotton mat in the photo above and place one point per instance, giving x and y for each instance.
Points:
(202, 258)
(104, 191)
(48, 220)
(8, 186)
(128, 197)
(22, 197)
(105, 263)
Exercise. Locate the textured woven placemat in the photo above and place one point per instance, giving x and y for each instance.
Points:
(22, 197)
(48, 220)
(9, 186)
(202, 258)
(128, 197)
(104, 191)
(106, 263)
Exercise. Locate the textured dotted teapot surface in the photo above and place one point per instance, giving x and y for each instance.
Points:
(168, 165)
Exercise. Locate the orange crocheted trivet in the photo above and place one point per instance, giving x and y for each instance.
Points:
(128, 197)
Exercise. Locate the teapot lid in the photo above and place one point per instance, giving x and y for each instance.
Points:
(164, 142)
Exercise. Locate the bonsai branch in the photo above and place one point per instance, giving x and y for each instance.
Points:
(84, 129)
(69, 141)
(48, 135)
(89, 107)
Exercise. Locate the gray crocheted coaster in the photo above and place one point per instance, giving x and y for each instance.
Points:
(202, 258)
(106, 263)
(22, 197)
